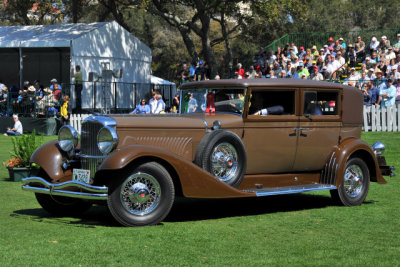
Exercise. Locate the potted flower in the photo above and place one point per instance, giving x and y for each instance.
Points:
(19, 165)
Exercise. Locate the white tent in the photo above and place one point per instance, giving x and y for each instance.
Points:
(46, 52)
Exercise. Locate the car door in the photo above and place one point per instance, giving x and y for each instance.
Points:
(319, 128)
(270, 139)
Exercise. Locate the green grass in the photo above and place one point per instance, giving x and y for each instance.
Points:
(300, 230)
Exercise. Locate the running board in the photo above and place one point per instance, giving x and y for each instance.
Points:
(291, 189)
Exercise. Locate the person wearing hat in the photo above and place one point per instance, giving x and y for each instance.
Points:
(371, 74)
(379, 78)
(354, 76)
(54, 85)
(314, 52)
(28, 101)
(301, 53)
(302, 71)
(331, 43)
(390, 54)
(200, 72)
(396, 46)
(342, 43)
(316, 75)
(351, 56)
(387, 92)
(384, 45)
(48, 101)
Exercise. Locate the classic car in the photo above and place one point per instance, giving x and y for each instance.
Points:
(231, 139)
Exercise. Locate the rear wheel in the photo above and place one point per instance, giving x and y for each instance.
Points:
(142, 196)
(355, 184)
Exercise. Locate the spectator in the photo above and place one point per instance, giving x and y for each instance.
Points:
(16, 129)
(373, 46)
(354, 76)
(65, 110)
(325, 73)
(192, 70)
(388, 94)
(301, 70)
(293, 74)
(78, 79)
(184, 76)
(314, 52)
(252, 72)
(371, 74)
(351, 56)
(175, 103)
(384, 45)
(365, 89)
(292, 45)
(359, 46)
(342, 43)
(54, 85)
(390, 54)
(396, 46)
(153, 103)
(240, 71)
(160, 108)
(301, 53)
(192, 104)
(3, 99)
(200, 73)
(326, 50)
(374, 93)
(39, 89)
(142, 108)
(217, 77)
(331, 43)
(397, 102)
(316, 75)
(364, 78)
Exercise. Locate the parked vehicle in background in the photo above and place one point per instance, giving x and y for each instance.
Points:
(232, 139)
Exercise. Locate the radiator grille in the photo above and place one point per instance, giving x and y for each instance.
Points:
(89, 150)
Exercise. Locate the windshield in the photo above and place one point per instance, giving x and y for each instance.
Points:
(212, 100)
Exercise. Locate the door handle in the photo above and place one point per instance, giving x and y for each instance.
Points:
(295, 132)
(301, 132)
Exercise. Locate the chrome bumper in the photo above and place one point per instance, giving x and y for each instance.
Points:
(79, 189)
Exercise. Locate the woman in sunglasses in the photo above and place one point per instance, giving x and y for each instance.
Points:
(142, 108)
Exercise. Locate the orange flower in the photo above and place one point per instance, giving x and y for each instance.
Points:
(13, 163)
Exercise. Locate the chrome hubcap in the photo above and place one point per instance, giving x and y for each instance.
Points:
(140, 194)
(353, 181)
(224, 162)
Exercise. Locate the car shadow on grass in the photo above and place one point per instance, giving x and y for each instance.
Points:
(185, 210)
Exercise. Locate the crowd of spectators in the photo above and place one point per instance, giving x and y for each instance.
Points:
(32, 100)
(372, 67)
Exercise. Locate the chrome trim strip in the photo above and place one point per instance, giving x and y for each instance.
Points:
(91, 157)
(44, 187)
(291, 190)
(332, 175)
(205, 122)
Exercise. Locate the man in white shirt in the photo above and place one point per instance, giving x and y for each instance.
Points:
(17, 129)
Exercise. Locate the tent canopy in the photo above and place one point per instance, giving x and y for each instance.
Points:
(58, 35)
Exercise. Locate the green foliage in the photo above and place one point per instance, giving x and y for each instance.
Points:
(24, 146)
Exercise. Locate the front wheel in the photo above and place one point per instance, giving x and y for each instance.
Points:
(355, 184)
(142, 196)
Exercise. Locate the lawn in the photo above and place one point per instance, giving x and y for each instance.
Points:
(303, 229)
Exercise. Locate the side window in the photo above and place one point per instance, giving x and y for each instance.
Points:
(320, 103)
(271, 102)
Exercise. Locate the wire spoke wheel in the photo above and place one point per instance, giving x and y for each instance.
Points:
(140, 194)
(224, 162)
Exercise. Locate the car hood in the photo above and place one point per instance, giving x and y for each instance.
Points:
(176, 121)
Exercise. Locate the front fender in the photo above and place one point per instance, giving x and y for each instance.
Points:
(195, 182)
(50, 158)
(356, 147)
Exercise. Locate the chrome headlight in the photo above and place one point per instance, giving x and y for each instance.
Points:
(378, 148)
(107, 139)
(67, 138)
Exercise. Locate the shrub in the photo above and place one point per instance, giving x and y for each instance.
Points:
(23, 148)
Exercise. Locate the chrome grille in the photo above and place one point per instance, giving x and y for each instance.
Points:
(89, 151)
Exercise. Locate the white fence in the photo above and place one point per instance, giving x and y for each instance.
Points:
(376, 119)
(381, 119)
(76, 120)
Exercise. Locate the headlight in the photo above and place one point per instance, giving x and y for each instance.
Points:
(378, 148)
(67, 138)
(107, 139)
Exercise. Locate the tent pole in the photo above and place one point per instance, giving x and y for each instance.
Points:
(21, 68)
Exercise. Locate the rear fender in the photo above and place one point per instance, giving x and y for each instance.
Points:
(195, 182)
(352, 148)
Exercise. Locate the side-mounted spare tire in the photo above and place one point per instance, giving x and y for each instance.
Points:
(222, 154)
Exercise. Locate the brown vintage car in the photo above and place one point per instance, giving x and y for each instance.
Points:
(232, 139)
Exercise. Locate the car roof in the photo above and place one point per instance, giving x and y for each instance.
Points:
(298, 83)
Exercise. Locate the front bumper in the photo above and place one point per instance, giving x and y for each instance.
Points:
(385, 169)
(73, 189)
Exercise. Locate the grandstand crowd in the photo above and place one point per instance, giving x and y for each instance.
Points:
(373, 67)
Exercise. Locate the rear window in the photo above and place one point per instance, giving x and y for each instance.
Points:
(320, 103)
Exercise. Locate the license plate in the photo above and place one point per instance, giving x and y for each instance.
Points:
(81, 175)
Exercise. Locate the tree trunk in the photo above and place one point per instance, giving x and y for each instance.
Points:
(225, 35)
